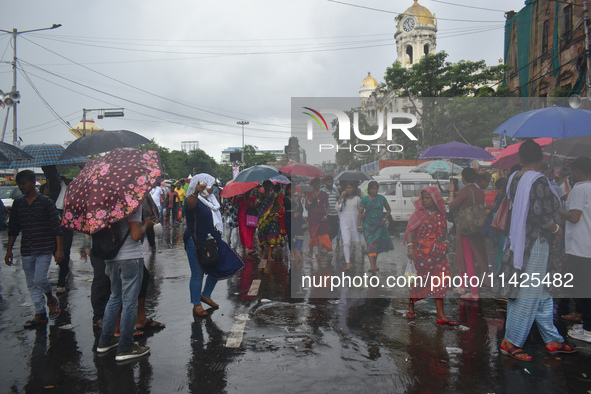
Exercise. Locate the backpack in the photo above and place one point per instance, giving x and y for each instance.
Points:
(107, 242)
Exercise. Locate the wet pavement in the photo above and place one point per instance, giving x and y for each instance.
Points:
(263, 340)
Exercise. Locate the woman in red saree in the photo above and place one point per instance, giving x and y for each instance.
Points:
(427, 243)
(317, 206)
(245, 202)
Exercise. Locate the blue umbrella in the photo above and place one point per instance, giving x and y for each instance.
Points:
(553, 122)
(455, 150)
(436, 167)
(45, 155)
(256, 174)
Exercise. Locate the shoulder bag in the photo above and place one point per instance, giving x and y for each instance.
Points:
(502, 219)
(470, 220)
(252, 218)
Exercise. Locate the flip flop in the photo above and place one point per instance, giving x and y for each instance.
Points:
(410, 315)
(562, 349)
(151, 324)
(514, 352)
(446, 322)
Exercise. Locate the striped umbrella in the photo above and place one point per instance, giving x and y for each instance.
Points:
(45, 155)
(280, 179)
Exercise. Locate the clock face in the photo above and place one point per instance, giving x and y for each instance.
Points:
(408, 24)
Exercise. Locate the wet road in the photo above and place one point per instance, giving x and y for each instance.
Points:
(281, 344)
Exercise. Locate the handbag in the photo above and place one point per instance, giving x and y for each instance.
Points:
(207, 252)
(252, 218)
(470, 220)
(502, 220)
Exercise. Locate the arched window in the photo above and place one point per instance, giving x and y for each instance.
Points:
(409, 54)
(426, 48)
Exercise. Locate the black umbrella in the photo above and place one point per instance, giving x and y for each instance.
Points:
(10, 153)
(570, 147)
(256, 174)
(352, 176)
(103, 141)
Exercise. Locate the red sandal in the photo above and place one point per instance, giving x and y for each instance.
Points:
(54, 308)
(563, 348)
(514, 352)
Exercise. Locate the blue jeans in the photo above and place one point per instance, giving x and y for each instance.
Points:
(36, 268)
(196, 281)
(126, 280)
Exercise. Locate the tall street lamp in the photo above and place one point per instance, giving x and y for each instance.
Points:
(14, 91)
(242, 123)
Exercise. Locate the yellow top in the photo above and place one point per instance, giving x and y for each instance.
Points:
(91, 127)
(369, 81)
(422, 13)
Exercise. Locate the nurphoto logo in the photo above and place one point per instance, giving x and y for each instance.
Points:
(344, 130)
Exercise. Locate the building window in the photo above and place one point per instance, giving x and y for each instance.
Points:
(568, 18)
(545, 33)
(426, 49)
(409, 54)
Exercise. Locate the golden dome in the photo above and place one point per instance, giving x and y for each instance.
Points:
(91, 127)
(369, 81)
(422, 13)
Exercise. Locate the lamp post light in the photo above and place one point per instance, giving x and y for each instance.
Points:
(14, 95)
(242, 123)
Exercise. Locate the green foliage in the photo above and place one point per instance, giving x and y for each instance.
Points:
(178, 164)
(252, 158)
(448, 109)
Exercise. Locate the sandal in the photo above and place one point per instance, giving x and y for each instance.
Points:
(60, 290)
(198, 311)
(348, 267)
(209, 302)
(446, 322)
(36, 321)
(136, 334)
(54, 308)
(410, 315)
(152, 324)
(563, 348)
(514, 352)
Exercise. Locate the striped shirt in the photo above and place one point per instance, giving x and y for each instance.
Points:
(39, 223)
(333, 197)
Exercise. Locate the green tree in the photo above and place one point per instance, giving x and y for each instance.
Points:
(438, 84)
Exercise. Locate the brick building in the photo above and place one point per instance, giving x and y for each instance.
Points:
(545, 46)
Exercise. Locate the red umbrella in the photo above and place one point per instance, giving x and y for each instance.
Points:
(510, 155)
(110, 188)
(302, 169)
(236, 188)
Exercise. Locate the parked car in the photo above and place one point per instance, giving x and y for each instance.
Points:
(8, 194)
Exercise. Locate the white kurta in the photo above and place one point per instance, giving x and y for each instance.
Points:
(348, 214)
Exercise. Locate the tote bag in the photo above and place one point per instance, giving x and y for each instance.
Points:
(502, 220)
(470, 220)
(252, 219)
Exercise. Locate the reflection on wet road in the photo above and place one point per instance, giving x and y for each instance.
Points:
(263, 340)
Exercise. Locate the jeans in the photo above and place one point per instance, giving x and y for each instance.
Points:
(126, 280)
(36, 268)
(196, 281)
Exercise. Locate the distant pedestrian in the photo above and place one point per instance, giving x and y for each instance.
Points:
(245, 202)
(172, 205)
(372, 220)
(333, 196)
(348, 206)
(318, 207)
(37, 218)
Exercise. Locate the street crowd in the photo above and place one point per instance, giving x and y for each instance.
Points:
(540, 223)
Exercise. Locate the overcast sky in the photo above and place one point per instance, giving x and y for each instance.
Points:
(189, 70)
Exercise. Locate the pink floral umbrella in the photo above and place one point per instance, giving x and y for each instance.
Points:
(110, 188)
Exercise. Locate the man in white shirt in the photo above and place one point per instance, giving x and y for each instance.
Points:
(578, 245)
(158, 195)
(126, 272)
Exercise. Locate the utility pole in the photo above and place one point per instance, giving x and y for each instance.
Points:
(14, 34)
(242, 123)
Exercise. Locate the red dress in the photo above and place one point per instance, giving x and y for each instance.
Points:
(246, 233)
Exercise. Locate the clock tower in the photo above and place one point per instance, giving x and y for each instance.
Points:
(415, 36)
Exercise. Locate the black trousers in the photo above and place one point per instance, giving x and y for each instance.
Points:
(65, 264)
(100, 290)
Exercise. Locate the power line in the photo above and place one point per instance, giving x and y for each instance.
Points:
(467, 6)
